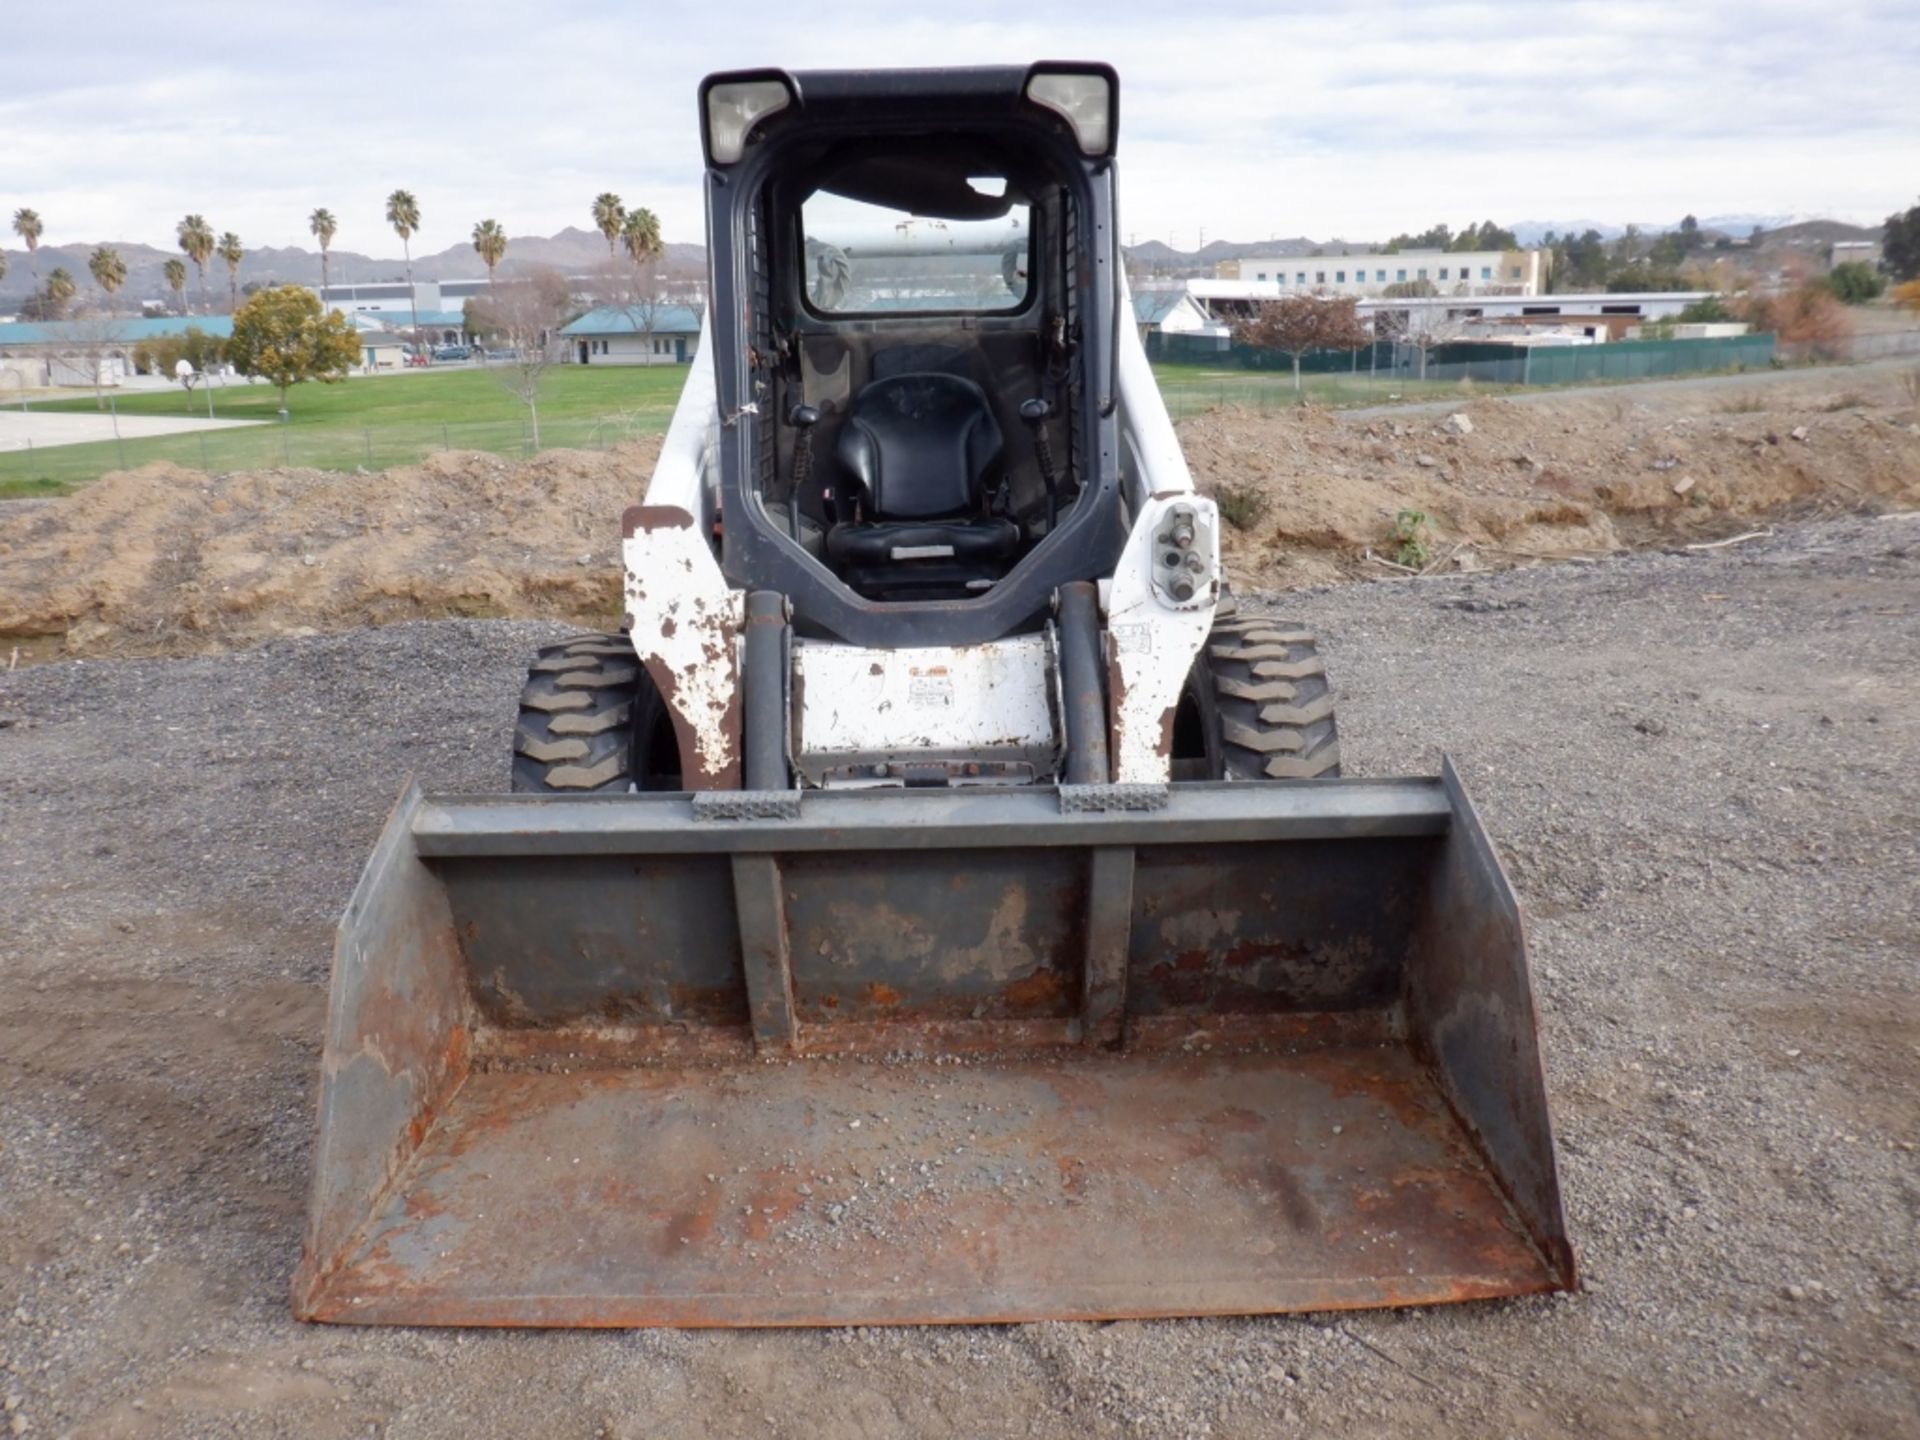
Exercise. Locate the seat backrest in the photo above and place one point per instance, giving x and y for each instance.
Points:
(920, 445)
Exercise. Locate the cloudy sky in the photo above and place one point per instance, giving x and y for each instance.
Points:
(1247, 119)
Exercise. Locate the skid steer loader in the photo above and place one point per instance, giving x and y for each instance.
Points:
(936, 903)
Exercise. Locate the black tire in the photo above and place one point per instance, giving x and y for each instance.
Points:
(592, 723)
(1257, 706)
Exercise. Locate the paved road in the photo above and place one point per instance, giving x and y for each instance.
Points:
(40, 430)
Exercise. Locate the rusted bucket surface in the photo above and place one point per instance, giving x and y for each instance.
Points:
(916, 1057)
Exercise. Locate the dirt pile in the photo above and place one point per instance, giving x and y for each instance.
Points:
(166, 560)
(162, 560)
(1310, 494)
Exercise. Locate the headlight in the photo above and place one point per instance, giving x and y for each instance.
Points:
(733, 108)
(1084, 99)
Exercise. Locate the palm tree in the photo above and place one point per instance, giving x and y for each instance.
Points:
(609, 214)
(403, 213)
(60, 289)
(490, 243)
(26, 224)
(196, 241)
(324, 228)
(109, 270)
(176, 273)
(641, 235)
(231, 251)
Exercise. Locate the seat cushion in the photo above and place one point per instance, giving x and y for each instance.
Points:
(920, 446)
(891, 542)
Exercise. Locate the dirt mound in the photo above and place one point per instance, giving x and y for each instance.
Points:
(166, 560)
(1311, 494)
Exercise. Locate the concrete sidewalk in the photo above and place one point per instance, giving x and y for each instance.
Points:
(38, 430)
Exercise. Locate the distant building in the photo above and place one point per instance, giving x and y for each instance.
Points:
(1367, 274)
(95, 350)
(1865, 252)
(1172, 311)
(441, 305)
(1596, 316)
(633, 335)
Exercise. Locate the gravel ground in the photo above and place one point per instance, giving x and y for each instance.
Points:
(1704, 771)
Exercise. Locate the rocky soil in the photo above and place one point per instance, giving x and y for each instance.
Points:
(1703, 769)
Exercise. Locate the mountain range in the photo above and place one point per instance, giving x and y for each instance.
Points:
(1764, 232)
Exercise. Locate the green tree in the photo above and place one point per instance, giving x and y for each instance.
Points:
(1900, 245)
(609, 214)
(640, 233)
(3, 264)
(176, 273)
(1485, 236)
(196, 243)
(490, 244)
(403, 214)
(324, 228)
(1854, 282)
(1710, 311)
(1439, 237)
(26, 224)
(285, 336)
(108, 269)
(230, 250)
(160, 355)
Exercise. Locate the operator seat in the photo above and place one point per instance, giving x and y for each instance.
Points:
(918, 452)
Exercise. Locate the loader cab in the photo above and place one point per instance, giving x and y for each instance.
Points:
(914, 302)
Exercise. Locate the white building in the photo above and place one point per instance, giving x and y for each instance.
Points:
(440, 306)
(1598, 316)
(633, 335)
(1367, 274)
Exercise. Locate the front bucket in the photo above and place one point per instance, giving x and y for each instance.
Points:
(930, 1055)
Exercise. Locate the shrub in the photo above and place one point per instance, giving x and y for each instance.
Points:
(1410, 539)
(1240, 506)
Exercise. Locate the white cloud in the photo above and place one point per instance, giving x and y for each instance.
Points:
(1247, 119)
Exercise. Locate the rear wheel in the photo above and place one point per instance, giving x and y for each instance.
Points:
(1257, 706)
(591, 722)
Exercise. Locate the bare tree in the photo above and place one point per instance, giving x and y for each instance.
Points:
(1299, 323)
(98, 337)
(524, 315)
(636, 289)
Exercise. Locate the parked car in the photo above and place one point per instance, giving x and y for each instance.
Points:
(453, 352)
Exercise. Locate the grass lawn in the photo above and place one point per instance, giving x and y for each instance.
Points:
(378, 421)
(371, 421)
(1190, 389)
